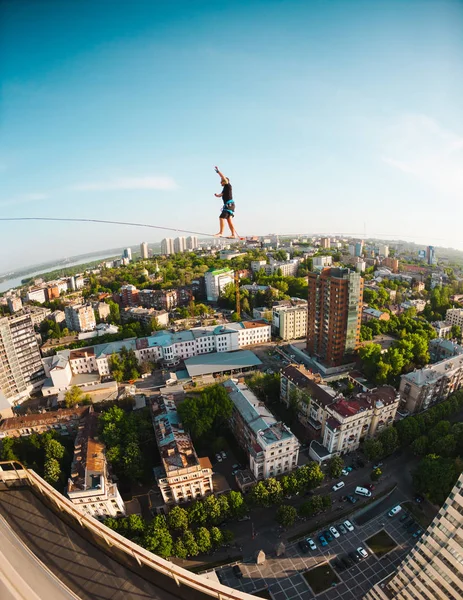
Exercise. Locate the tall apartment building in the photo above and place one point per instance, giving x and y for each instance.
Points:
(167, 246)
(127, 254)
(21, 369)
(183, 476)
(325, 242)
(216, 280)
(454, 316)
(165, 299)
(14, 304)
(80, 317)
(90, 487)
(129, 295)
(191, 242)
(384, 250)
(271, 447)
(144, 250)
(290, 322)
(430, 255)
(322, 261)
(334, 314)
(179, 244)
(433, 570)
(36, 295)
(422, 388)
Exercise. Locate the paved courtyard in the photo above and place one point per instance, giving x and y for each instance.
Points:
(283, 576)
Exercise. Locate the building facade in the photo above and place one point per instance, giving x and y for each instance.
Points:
(127, 254)
(290, 322)
(80, 317)
(325, 242)
(89, 486)
(454, 316)
(322, 261)
(216, 280)
(21, 369)
(433, 570)
(334, 314)
(192, 242)
(422, 388)
(63, 420)
(129, 295)
(144, 250)
(14, 304)
(145, 316)
(183, 476)
(167, 246)
(271, 447)
(179, 244)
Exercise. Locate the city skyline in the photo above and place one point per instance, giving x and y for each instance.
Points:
(324, 118)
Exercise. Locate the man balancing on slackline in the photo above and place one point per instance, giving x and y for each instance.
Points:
(228, 209)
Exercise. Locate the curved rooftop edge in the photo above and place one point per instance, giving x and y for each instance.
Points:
(142, 574)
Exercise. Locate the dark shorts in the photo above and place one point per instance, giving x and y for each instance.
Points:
(226, 214)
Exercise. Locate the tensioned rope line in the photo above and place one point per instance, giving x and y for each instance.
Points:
(179, 230)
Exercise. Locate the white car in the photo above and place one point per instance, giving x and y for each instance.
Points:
(218, 457)
(345, 472)
(312, 544)
(334, 531)
(223, 454)
(362, 552)
(338, 486)
(394, 511)
(348, 525)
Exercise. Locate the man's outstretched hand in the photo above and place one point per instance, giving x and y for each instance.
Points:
(216, 169)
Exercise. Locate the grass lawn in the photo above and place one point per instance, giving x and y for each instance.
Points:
(321, 578)
(381, 543)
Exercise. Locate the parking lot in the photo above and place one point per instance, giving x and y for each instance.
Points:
(282, 576)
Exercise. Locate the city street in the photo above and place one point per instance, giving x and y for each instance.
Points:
(282, 576)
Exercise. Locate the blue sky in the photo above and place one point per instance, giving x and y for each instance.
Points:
(325, 116)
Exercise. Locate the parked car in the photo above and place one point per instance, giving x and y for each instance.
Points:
(322, 540)
(346, 560)
(218, 457)
(361, 491)
(354, 556)
(417, 533)
(237, 572)
(328, 536)
(342, 529)
(348, 525)
(351, 499)
(235, 467)
(394, 511)
(312, 544)
(223, 454)
(334, 532)
(362, 552)
(245, 518)
(304, 546)
(346, 471)
(419, 499)
(338, 486)
(378, 466)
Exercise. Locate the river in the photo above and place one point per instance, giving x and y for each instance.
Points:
(16, 281)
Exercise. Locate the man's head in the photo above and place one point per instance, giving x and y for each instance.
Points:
(224, 181)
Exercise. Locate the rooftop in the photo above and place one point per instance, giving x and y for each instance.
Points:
(174, 443)
(88, 470)
(256, 414)
(48, 418)
(311, 383)
(433, 373)
(218, 362)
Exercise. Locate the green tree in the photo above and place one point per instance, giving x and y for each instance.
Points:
(213, 509)
(274, 490)
(335, 466)
(8, 449)
(177, 519)
(159, 541)
(76, 396)
(179, 549)
(259, 494)
(197, 514)
(389, 440)
(373, 449)
(326, 501)
(286, 515)
(114, 313)
(216, 537)
(52, 471)
(190, 544)
(435, 477)
(53, 449)
(203, 539)
(227, 536)
(236, 504)
(420, 445)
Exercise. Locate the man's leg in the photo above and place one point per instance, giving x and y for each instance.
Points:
(222, 225)
(231, 227)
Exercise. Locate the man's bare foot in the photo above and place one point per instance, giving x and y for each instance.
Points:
(218, 234)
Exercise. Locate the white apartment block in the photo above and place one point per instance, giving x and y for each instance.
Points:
(14, 304)
(167, 246)
(89, 486)
(442, 328)
(21, 369)
(257, 265)
(422, 388)
(80, 317)
(144, 250)
(179, 244)
(454, 316)
(183, 476)
(288, 268)
(36, 295)
(163, 346)
(384, 250)
(216, 280)
(322, 261)
(58, 316)
(271, 447)
(192, 242)
(290, 322)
